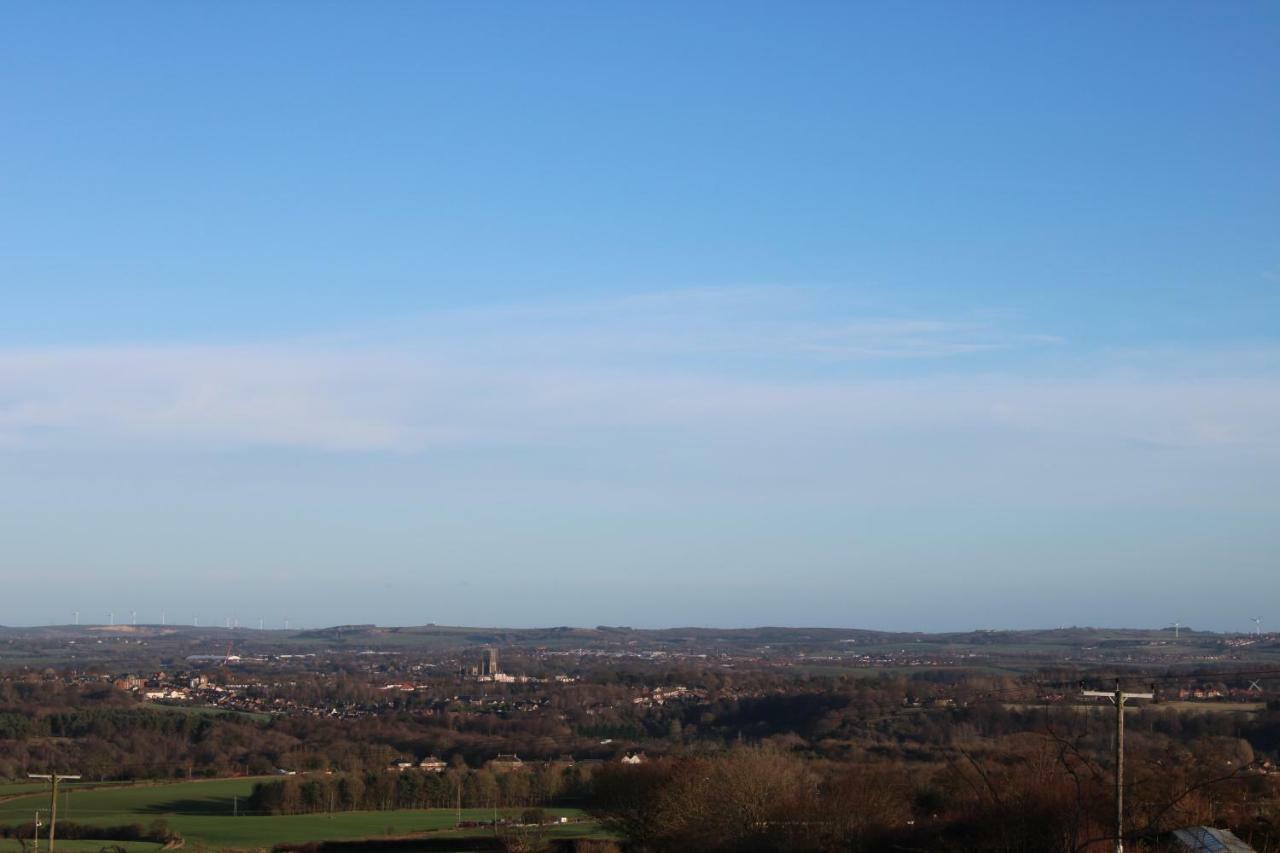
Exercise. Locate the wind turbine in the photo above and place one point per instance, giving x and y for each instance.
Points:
(77, 616)
(1257, 625)
(162, 622)
(111, 618)
(1176, 625)
(133, 617)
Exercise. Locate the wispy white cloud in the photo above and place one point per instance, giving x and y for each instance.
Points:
(750, 324)
(539, 376)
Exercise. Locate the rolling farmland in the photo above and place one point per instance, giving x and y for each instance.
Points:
(202, 812)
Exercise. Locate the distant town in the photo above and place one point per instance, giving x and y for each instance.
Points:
(515, 730)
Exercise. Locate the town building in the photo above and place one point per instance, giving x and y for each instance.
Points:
(506, 763)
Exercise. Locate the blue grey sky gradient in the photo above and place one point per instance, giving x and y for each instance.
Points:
(907, 316)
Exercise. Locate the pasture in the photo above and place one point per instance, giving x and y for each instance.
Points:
(8, 844)
(13, 789)
(202, 812)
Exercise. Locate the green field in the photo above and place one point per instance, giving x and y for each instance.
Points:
(7, 844)
(205, 710)
(202, 813)
(9, 789)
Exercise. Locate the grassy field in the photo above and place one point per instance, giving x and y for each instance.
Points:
(1182, 707)
(10, 789)
(204, 710)
(202, 813)
(7, 844)
(1211, 707)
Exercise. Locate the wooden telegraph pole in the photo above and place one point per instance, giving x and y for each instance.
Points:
(54, 779)
(1119, 697)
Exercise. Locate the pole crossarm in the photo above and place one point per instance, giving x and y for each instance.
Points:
(1111, 694)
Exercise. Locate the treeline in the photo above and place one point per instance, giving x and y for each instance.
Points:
(102, 722)
(106, 741)
(157, 831)
(383, 790)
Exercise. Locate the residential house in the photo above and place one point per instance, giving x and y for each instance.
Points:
(505, 763)
(432, 764)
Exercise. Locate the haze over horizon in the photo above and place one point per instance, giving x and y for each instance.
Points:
(901, 317)
(241, 626)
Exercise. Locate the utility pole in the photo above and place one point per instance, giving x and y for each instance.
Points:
(1118, 698)
(54, 779)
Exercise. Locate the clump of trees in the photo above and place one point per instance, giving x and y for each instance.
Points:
(750, 798)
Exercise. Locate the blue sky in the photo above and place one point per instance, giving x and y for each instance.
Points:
(906, 316)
